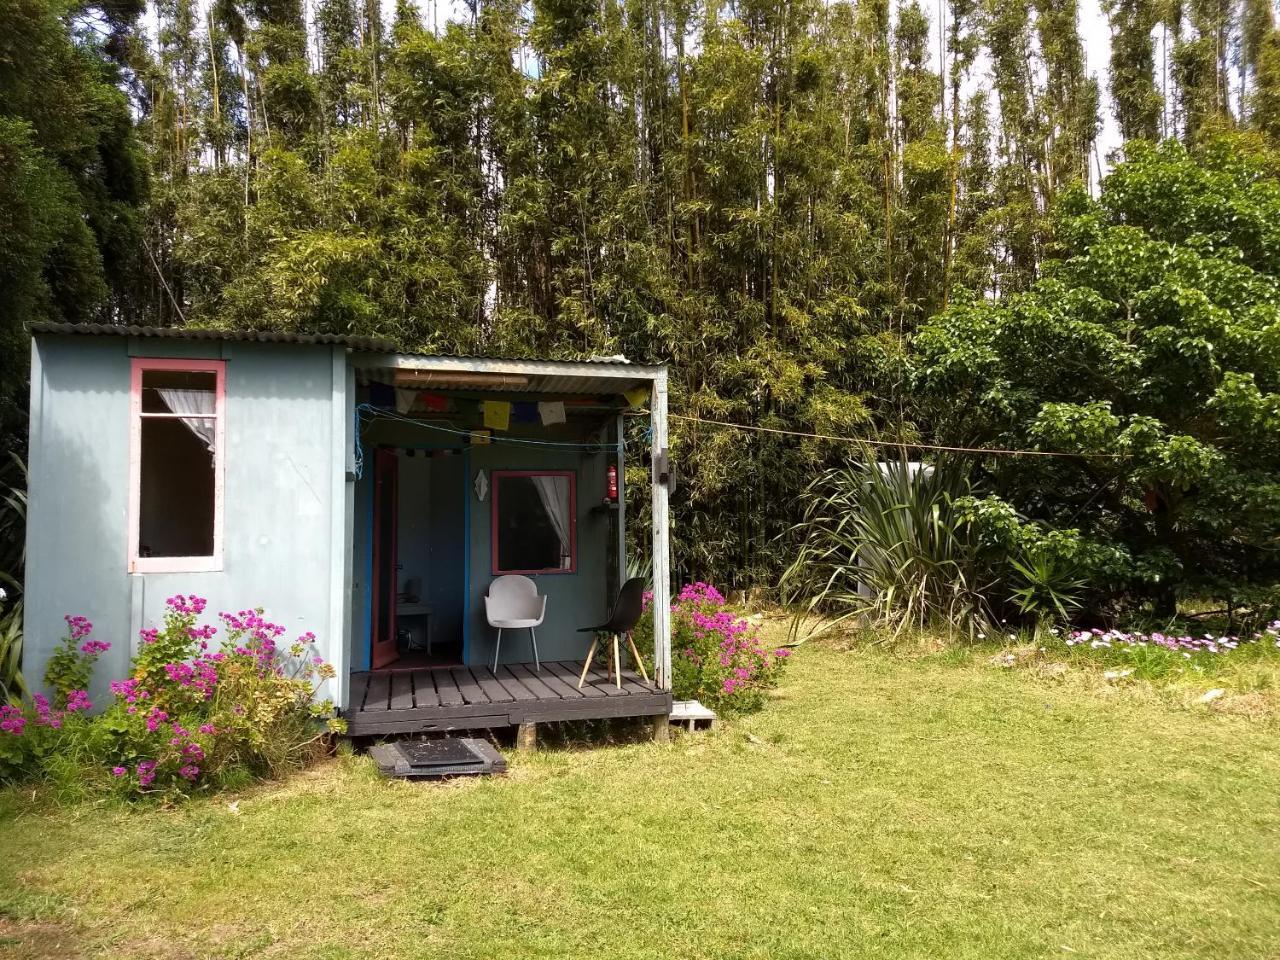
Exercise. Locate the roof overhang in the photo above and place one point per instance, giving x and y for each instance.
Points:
(512, 376)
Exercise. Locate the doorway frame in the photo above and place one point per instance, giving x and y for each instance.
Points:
(371, 561)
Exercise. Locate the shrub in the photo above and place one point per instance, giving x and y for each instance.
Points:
(186, 718)
(71, 665)
(889, 542)
(717, 657)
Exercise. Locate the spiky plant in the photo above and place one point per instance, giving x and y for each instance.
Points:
(885, 542)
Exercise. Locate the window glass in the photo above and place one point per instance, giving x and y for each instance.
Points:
(533, 522)
(178, 391)
(175, 470)
(176, 502)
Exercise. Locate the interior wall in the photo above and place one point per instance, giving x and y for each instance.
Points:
(446, 577)
(413, 537)
(574, 600)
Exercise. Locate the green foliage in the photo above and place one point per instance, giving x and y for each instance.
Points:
(891, 543)
(1150, 349)
(1048, 590)
(185, 720)
(718, 658)
(71, 179)
(13, 686)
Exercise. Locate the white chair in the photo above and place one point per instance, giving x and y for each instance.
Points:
(513, 603)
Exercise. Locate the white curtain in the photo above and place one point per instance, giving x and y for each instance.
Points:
(194, 402)
(554, 493)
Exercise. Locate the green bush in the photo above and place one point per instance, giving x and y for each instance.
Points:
(892, 543)
(186, 719)
(717, 657)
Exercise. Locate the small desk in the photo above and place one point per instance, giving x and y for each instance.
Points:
(406, 610)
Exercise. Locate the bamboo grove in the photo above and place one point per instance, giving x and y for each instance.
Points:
(770, 196)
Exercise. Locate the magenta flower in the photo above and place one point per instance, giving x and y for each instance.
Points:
(92, 648)
(119, 771)
(78, 700)
(80, 627)
(11, 720)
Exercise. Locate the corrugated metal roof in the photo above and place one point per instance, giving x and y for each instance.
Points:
(363, 344)
(369, 344)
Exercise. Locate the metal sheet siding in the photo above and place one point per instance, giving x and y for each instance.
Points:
(279, 487)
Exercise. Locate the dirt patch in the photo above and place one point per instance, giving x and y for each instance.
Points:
(1254, 706)
(39, 941)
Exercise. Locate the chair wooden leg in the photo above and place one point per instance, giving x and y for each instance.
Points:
(617, 663)
(635, 656)
(586, 664)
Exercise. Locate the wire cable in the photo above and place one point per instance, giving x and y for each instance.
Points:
(994, 451)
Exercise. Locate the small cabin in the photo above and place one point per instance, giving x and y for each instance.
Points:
(369, 496)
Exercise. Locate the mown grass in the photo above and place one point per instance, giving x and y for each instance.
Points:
(887, 806)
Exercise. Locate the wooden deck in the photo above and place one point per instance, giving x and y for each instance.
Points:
(466, 698)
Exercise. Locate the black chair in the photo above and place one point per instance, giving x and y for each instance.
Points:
(626, 614)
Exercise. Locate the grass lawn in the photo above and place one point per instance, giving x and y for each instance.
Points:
(881, 806)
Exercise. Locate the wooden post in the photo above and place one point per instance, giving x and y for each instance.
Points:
(661, 728)
(620, 431)
(661, 539)
(527, 737)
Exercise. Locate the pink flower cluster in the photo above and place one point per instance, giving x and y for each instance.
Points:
(201, 675)
(727, 645)
(78, 701)
(80, 627)
(11, 720)
(92, 648)
(130, 691)
(699, 592)
(189, 605)
(1185, 644)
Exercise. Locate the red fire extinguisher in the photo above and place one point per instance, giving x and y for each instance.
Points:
(611, 486)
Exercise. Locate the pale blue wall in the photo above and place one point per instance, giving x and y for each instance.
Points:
(283, 503)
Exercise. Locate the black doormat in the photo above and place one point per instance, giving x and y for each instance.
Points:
(433, 759)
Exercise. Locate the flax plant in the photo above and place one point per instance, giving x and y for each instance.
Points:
(885, 542)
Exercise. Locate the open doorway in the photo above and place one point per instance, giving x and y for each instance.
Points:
(419, 547)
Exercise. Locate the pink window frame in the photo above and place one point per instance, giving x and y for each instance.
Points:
(573, 520)
(139, 365)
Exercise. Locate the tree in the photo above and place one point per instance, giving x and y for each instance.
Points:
(71, 178)
(1135, 99)
(1150, 349)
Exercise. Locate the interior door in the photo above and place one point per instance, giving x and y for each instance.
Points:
(385, 483)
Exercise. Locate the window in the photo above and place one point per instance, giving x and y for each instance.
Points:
(534, 522)
(175, 517)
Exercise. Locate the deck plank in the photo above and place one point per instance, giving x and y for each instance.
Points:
(450, 695)
(565, 672)
(359, 686)
(514, 685)
(530, 680)
(471, 691)
(566, 691)
(490, 685)
(424, 690)
(631, 682)
(602, 681)
(401, 690)
(379, 694)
